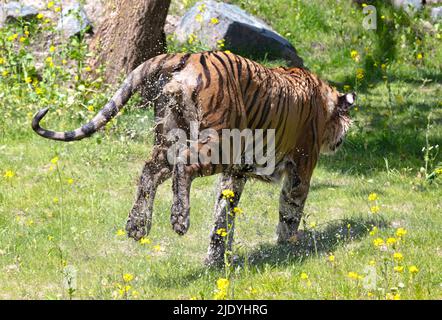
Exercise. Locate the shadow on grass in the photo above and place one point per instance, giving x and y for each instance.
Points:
(313, 243)
(335, 234)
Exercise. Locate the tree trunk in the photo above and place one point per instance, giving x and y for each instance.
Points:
(132, 33)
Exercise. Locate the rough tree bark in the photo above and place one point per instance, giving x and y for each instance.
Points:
(132, 32)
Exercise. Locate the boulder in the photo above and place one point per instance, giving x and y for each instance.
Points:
(15, 10)
(212, 21)
(436, 13)
(95, 11)
(408, 4)
(171, 24)
(73, 20)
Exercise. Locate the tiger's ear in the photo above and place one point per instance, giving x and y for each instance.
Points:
(347, 101)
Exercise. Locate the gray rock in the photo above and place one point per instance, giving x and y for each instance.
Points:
(436, 13)
(242, 32)
(94, 10)
(73, 20)
(408, 5)
(171, 24)
(15, 10)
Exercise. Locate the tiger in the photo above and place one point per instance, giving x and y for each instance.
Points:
(220, 90)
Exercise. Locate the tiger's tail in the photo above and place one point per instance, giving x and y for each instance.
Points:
(111, 109)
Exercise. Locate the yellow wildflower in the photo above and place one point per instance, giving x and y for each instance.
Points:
(88, 69)
(90, 108)
(391, 241)
(372, 263)
(360, 74)
(375, 209)
(192, 38)
(5, 73)
(145, 241)
(346, 88)
(400, 232)
(40, 16)
(57, 9)
(14, 36)
(51, 48)
(354, 55)
(391, 296)
(354, 275)
(222, 232)
(54, 160)
(220, 295)
(228, 193)
(372, 196)
(120, 232)
(378, 242)
(398, 269)
(413, 269)
(28, 79)
(9, 174)
(214, 21)
(2, 60)
(157, 248)
(199, 18)
(398, 256)
(50, 4)
(49, 61)
(127, 277)
(237, 210)
(419, 56)
(303, 276)
(222, 283)
(22, 39)
(313, 225)
(70, 181)
(331, 258)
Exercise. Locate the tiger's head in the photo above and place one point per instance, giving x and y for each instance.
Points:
(338, 119)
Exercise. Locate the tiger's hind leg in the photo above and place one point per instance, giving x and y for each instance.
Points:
(224, 218)
(155, 171)
(291, 203)
(181, 183)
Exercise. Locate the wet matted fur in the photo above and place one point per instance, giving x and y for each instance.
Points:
(219, 90)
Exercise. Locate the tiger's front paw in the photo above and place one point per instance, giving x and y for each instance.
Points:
(137, 229)
(180, 219)
(287, 234)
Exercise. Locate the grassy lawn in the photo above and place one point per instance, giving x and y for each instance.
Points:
(63, 205)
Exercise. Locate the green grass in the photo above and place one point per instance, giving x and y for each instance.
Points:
(47, 224)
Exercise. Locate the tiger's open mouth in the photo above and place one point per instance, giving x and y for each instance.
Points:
(339, 143)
